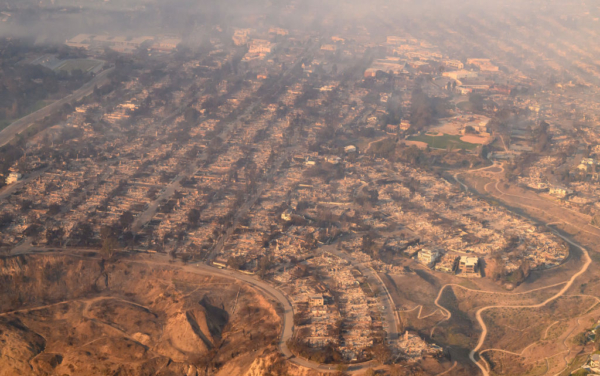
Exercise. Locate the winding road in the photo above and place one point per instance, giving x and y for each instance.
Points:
(288, 316)
(480, 363)
(568, 285)
(204, 269)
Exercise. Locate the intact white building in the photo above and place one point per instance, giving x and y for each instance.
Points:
(460, 74)
(469, 264)
(287, 215)
(394, 40)
(329, 47)
(241, 37)
(428, 256)
(260, 46)
(456, 64)
(278, 31)
(560, 192)
(13, 177)
(316, 300)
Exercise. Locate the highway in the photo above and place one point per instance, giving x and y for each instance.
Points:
(8, 133)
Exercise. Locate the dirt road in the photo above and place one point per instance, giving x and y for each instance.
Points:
(568, 285)
(480, 363)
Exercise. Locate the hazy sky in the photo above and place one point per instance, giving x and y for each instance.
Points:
(59, 20)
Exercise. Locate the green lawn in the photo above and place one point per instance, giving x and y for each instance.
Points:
(442, 142)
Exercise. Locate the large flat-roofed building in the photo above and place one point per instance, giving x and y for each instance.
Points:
(460, 74)
(560, 191)
(278, 31)
(455, 64)
(485, 65)
(466, 88)
(316, 300)
(424, 55)
(260, 46)
(166, 44)
(258, 49)
(469, 264)
(389, 65)
(428, 256)
(395, 40)
(240, 37)
(80, 41)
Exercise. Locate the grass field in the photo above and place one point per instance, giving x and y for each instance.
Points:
(84, 65)
(442, 142)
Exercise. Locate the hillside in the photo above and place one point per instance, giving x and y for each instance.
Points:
(68, 315)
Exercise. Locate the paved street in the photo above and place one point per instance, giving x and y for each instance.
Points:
(8, 133)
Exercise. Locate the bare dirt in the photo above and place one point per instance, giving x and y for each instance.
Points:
(539, 339)
(419, 144)
(472, 139)
(528, 330)
(69, 315)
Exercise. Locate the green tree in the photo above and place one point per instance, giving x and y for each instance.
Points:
(381, 352)
(580, 339)
(264, 265)
(421, 110)
(581, 372)
(109, 247)
(126, 220)
(193, 217)
(53, 209)
(342, 369)
(54, 237)
(236, 262)
(384, 148)
(477, 101)
(85, 233)
(191, 115)
(395, 370)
